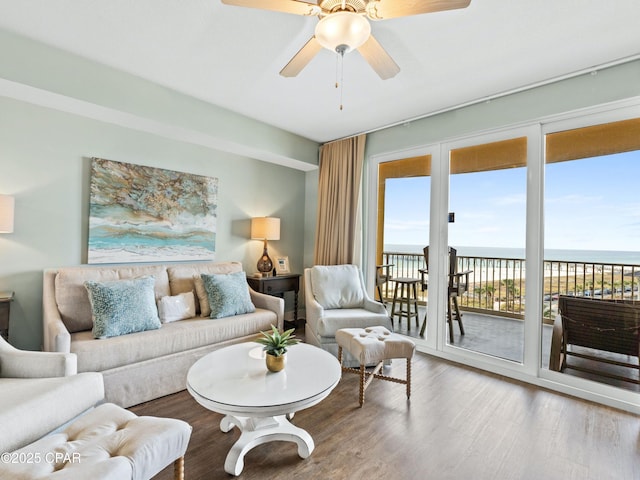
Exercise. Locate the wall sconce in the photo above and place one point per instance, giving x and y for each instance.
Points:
(7, 205)
(265, 228)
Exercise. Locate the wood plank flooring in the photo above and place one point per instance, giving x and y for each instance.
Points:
(460, 423)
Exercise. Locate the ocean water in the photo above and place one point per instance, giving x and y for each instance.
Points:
(110, 244)
(104, 237)
(588, 256)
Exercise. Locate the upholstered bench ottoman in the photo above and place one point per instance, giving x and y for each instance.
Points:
(373, 346)
(108, 442)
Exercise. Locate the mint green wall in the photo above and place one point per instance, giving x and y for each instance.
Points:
(58, 110)
(608, 85)
(44, 158)
(311, 214)
(27, 62)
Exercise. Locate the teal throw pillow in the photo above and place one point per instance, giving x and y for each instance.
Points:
(123, 306)
(228, 294)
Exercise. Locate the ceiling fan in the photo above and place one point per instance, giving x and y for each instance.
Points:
(344, 26)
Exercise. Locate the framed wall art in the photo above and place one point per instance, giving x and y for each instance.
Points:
(146, 214)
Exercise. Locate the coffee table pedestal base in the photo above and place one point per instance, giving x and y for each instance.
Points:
(259, 430)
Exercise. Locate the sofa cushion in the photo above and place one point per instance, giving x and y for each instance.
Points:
(203, 297)
(72, 298)
(228, 294)
(177, 307)
(333, 320)
(337, 286)
(122, 306)
(107, 443)
(32, 407)
(181, 277)
(172, 338)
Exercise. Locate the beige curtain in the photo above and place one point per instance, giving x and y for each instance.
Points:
(339, 181)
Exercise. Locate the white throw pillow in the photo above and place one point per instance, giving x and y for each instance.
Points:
(337, 286)
(177, 307)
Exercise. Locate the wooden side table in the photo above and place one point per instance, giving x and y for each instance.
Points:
(277, 286)
(5, 306)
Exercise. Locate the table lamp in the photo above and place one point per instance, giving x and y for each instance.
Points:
(265, 228)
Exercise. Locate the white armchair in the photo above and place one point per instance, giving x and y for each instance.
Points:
(40, 392)
(16, 363)
(335, 298)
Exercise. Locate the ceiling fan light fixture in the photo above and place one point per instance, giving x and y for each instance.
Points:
(342, 30)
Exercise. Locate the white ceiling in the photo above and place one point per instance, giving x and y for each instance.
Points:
(231, 56)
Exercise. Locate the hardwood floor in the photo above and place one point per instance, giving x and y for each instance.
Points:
(460, 423)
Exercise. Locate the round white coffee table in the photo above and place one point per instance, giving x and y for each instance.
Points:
(235, 381)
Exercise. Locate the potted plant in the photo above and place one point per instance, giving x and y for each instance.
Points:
(275, 345)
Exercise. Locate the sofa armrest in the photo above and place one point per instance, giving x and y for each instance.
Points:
(371, 303)
(27, 364)
(269, 302)
(374, 306)
(59, 336)
(313, 311)
(56, 336)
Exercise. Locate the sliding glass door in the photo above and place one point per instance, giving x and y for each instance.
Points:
(404, 189)
(485, 281)
(592, 253)
(535, 215)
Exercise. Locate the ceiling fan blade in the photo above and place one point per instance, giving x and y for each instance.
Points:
(287, 6)
(381, 9)
(302, 58)
(378, 58)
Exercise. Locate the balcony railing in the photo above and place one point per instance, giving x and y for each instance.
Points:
(498, 284)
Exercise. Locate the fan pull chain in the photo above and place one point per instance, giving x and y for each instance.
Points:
(340, 58)
(341, 77)
(337, 68)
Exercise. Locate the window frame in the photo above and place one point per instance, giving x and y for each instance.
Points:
(531, 370)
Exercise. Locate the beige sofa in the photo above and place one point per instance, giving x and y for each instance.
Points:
(141, 366)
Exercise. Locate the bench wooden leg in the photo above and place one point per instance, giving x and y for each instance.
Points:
(178, 469)
(362, 384)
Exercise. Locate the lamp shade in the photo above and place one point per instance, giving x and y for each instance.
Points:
(346, 29)
(7, 203)
(265, 228)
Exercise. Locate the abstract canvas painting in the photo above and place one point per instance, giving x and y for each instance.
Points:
(146, 214)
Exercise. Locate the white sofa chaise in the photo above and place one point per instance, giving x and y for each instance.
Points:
(40, 391)
(53, 425)
(145, 365)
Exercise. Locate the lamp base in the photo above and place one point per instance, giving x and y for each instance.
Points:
(265, 265)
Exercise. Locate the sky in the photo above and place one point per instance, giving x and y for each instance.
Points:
(589, 204)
